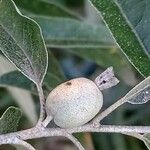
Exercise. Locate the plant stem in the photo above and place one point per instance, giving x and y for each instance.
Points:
(42, 104)
(111, 129)
(39, 131)
(107, 111)
(47, 121)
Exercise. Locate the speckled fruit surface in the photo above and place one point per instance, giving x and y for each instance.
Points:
(74, 102)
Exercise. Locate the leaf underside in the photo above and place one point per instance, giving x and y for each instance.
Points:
(21, 41)
(140, 94)
(53, 77)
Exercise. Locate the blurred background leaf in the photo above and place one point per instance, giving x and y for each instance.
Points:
(65, 32)
(8, 78)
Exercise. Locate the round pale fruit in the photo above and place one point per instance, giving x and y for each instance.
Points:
(74, 102)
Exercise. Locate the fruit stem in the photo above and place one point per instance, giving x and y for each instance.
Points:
(47, 121)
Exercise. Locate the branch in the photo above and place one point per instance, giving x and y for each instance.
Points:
(15, 140)
(111, 129)
(47, 120)
(75, 141)
(133, 93)
(40, 132)
(110, 80)
(109, 110)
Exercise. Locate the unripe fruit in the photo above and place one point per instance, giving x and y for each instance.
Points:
(74, 102)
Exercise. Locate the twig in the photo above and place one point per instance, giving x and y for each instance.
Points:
(106, 112)
(47, 121)
(75, 141)
(40, 131)
(111, 129)
(16, 141)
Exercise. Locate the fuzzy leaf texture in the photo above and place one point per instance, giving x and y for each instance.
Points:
(124, 34)
(53, 77)
(9, 120)
(147, 140)
(140, 94)
(138, 13)
(22, 43)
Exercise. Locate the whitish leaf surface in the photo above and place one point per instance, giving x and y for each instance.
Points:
(124, 34)
(147, 140)
(21, 41)
(141, 93)
(65, 32)
(9, 120)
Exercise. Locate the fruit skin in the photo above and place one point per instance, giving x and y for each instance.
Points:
(74, 102)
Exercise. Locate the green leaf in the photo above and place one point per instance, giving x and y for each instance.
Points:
(54, 66)
(124, 34)
(87, 41)
(16, 79)
(54, 74)
(140, 93)
(138, 13)
(44, 8)
(70, 33)
(9, 120)
(21, 41)
(53, 77)
(103, 57)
